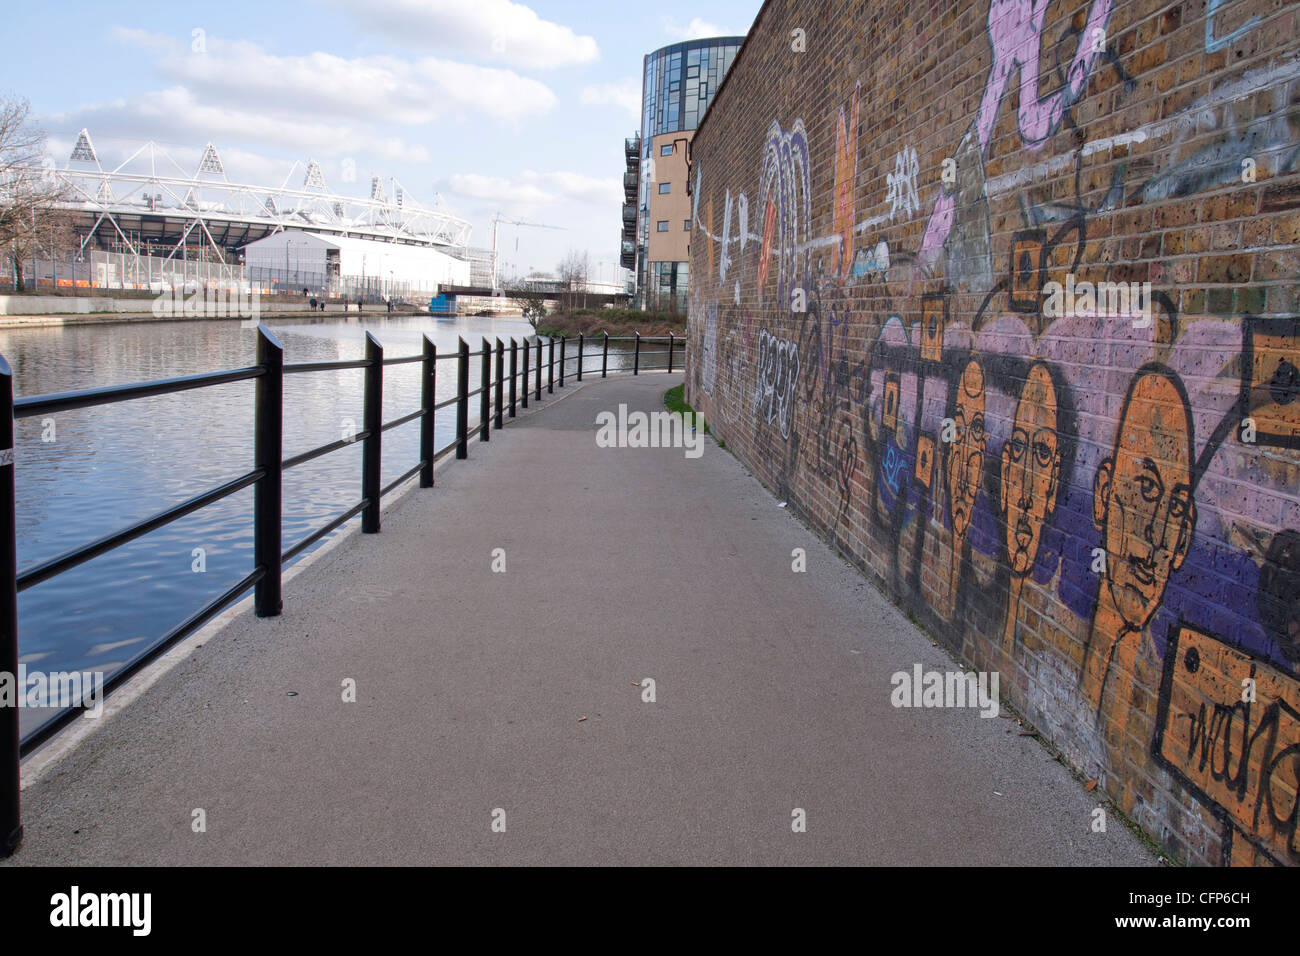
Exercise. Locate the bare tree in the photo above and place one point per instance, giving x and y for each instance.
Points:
(29, 191)
(530, 295)
(574, 271)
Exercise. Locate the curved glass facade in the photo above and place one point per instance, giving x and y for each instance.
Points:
(680, 81)
(679, 84)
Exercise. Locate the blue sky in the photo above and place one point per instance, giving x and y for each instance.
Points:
(489, 104)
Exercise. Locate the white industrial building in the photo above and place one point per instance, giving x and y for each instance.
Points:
(344, 265)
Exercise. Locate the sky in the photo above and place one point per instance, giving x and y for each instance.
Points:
(475, 106)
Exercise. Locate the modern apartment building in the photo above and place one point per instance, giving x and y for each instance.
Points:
(679, 84)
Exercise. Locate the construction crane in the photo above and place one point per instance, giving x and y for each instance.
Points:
(497, 219)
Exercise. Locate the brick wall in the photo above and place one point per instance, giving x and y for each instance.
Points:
(1001, 297)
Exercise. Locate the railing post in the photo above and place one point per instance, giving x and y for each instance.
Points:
(268, 454)
(11, 828)
(428, 399)
(670, 351)
(501, 382)
(462, 401)
(373, 413)
(604, 357)
(636, 358)
(550, 367)
(539, 369)
(561, 361)
(485, 393)
(527, 351)
(579, 356)
(514, 372)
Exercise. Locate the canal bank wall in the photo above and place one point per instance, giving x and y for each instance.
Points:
(1001, 297)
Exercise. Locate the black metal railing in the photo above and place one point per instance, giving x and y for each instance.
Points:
(266, 478)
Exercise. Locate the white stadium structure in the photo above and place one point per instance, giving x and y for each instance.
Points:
(148, 221)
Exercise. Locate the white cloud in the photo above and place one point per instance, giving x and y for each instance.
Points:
(174, 114)
(626, 95)
(697, 29)
(493, 29)
(498, 189)
(374, 88)
(536, 189)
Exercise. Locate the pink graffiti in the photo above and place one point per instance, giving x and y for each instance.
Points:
(940, 224)
(1015, 29)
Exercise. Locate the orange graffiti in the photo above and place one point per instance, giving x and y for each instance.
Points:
(1229, 727)
(1142, 504)
(769, 234)
(1031, 468)
(964, 464)
(966, 454)
(846, 168)
(1031, 472)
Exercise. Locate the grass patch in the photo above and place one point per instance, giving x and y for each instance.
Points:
(675, 401)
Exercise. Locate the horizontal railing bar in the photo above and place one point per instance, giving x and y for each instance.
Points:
(442, 405)
(70, 559)
(404, 360)
(119, 677)
(301, 367)
(397, 481)
(446, 450)
(35, 405)
(632, 338)
(315, 536)
(307, 456)
(403, 420)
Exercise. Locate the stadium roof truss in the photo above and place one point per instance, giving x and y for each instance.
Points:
(197, 207)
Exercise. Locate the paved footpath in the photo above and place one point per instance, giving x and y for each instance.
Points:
(772, 693)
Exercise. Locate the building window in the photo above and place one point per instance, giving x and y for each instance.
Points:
(663, 226)
(665, 188)
(668, 285)
(687, 226)
(666, 149)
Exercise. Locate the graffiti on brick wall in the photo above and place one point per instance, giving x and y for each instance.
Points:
(787, 210)
(1144, 510)
(778, 372)
(1229, 729)
(1106, 474)
(901, 194)
(958, 227)
(709, 351)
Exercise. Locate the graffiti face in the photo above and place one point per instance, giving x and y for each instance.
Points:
(1142, 497)
(1031, 469)
(966, 454)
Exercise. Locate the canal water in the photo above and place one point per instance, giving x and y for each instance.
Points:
(90, 472)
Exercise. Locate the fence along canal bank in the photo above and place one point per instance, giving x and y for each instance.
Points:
(517, 699)
(499, 397)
